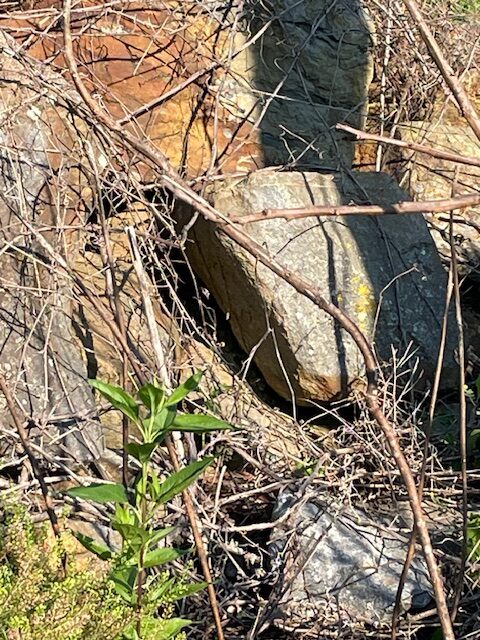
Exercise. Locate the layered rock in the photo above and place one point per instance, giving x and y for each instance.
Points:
(40, 201)
(383, 272)
(268, 84)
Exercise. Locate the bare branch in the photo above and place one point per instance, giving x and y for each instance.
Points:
(427, 206)
(448, 74)
(413, 146)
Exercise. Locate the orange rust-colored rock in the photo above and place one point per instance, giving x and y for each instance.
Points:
(130, 58)
(264, 92)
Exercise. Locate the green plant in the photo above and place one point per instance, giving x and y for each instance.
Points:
(473, 537)
(136, 510)
(458, 8)
(37, 602)
(467, 6)
(473, 396)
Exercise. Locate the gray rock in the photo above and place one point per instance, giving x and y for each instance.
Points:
(383, 272)
(38, 354)
(312, 69)
(432, 178)
(338, 562)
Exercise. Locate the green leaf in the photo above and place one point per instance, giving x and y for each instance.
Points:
(164, 629)
(133, 535)
(473, 438)
(141, 452)
(188, 590)
(161, 556)
(162, 422)
(118, 398)
(125, 514)
(156, 536)
(100, 492)
(198, 423)
(152, 397)
(158, 593)
(99, 549)
(180, 480)
(184, 389)
(130, 633)
(124, 579)
(154, 487)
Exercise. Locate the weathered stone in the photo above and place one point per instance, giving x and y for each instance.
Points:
(312, 69)
(339, 563)
(276, 79)
(433, 179)
(37, 352)
(100, 349)
(278, 440)
(383, 272)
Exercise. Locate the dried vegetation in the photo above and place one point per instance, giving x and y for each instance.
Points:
(337, 451)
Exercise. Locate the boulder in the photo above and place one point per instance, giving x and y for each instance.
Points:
(271, 79)
(312, 69)
(384, 272)
(340, 564)
(40, 188)
(432, 179)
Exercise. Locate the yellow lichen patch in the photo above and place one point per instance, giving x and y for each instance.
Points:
(366, 306)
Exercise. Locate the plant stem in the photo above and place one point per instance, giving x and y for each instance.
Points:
(143, 523)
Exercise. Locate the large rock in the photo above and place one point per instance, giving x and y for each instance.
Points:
(278, 75)
(383, 272)
(40, 189)
(312, 69)
(336, 562)
(433, 179)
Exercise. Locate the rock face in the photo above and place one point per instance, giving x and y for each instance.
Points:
(271, 79)
(316, 61)
(310, 69)
(343, 565)
(268, 86)
(38, 356)
(103, 358)
(432, 179)
(383, 272)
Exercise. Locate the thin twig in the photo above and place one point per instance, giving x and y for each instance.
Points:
(462, 419)
(448, 74)
(148, 308)
(113, 292)
(427, 206)
(413, 146)
(428, 430)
